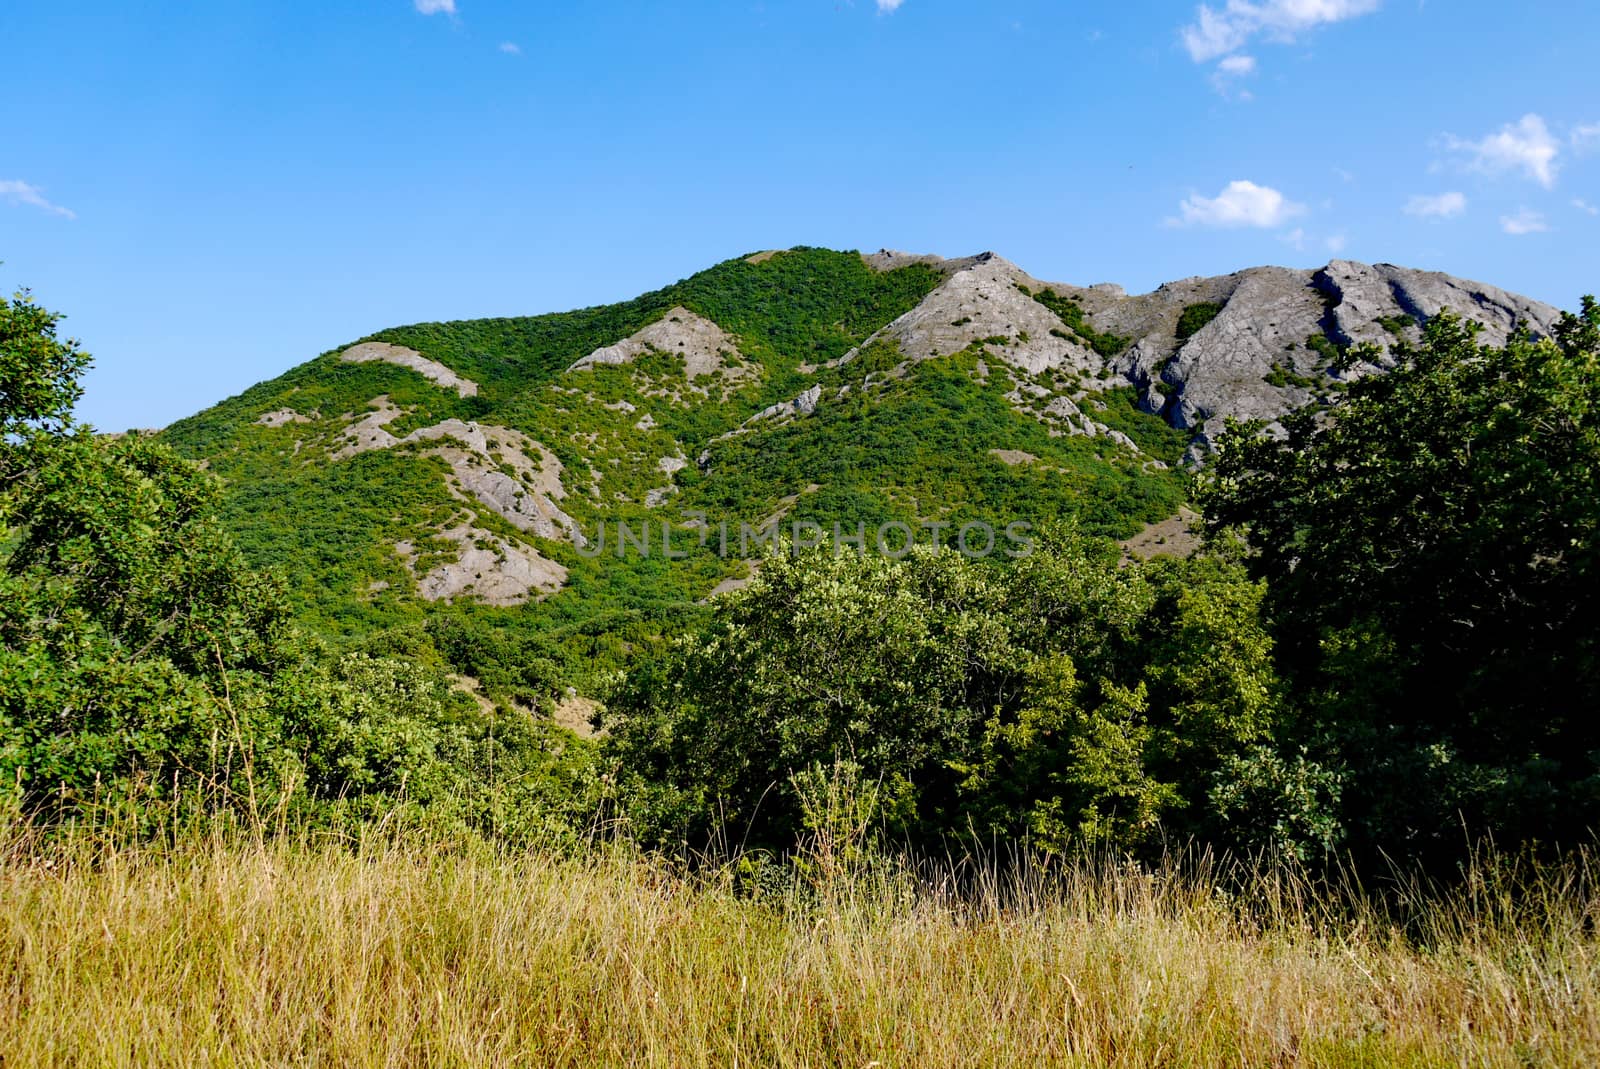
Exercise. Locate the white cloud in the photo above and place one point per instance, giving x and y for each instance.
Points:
(888, 6)
(511, 48)
(1216, 33)
(19, 192)
(1440, 206)
(1336, 243)
(435, 7)
(1240, 204)
(1296, 238)
(1525, 145)
(1230, 70)
(1525, 221)
(1584, 206)
(1586, 137)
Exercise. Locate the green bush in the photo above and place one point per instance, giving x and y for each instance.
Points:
(1062, 697)
(1195, 317)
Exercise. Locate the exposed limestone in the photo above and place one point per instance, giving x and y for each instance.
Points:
(498, 467)
(489, 569)
(1013, 457)
(889, 259)
(803, 405)
(1253, 360)
(981, 301)
(281, 417)
(399, 354)
(1361, 294)
(1223, 369)
(706, 349)
(668, 466)
(370, 431)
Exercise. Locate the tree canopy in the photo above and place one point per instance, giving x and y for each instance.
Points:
(1431, 550)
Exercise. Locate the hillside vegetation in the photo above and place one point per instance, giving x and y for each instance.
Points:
(241, 814)
(890, 443)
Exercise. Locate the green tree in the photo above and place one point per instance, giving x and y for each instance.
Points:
(1431, 552)
(126, 614)
(1065, 698)
(38, 371)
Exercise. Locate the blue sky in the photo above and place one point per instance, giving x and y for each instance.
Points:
(216, 192)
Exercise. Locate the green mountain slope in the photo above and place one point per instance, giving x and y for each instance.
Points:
(466, 504)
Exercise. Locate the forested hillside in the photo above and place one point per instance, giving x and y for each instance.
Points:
(647, 441)
(460, 491)
(814, 537)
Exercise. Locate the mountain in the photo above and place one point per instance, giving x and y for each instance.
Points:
(456, 489)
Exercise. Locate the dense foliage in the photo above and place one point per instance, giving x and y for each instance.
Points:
(899, 444)
(1431, 556)
(1388, 644)
(148, 673)
(1063, 698)
(1195, 317)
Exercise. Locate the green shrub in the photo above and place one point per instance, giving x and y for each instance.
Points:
(1195, 317)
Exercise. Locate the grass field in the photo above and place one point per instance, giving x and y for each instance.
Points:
(244, 953)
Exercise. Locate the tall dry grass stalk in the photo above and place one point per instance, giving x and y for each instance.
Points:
(270, 952)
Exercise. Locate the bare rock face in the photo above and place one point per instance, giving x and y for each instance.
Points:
(1223, 369)
(479, 453)
(1267, 351)
(489, 569)
(706, 349)
(889, 259)
(399, 354)
(803, 405)
(370, 431)
(1362, 294)
(499, 468)
(479, 456)
(982, 301)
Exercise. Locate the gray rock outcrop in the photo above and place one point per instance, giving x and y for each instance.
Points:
(431, 370)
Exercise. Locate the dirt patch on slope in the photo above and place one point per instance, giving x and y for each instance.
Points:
(1175, 536)
(574, 713)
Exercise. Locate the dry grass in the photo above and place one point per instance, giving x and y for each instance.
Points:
(275, 954)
